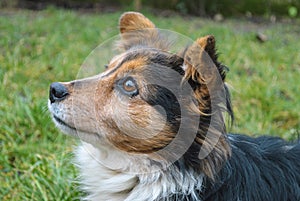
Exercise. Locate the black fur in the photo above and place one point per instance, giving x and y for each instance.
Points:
(238, 168)
(160, 96)
(260, 169)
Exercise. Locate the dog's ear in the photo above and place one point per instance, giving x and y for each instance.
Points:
(137, 30)
(134, 21)
(202, 68)
(200, 60)
(206, 75)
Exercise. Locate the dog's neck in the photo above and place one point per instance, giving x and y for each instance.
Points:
(105, 182)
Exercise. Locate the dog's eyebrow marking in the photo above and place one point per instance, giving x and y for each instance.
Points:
(133, 60)
(110, 72)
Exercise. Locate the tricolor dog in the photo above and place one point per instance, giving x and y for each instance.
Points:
(152, 127)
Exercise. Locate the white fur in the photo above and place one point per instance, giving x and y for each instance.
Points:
(133, 181)
(184, 67)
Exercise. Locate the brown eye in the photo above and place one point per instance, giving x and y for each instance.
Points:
(128, 86)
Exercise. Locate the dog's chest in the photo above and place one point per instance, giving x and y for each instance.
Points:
(103, 183)
(100, 182)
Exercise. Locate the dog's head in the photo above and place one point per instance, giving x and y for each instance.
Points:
(151, 102)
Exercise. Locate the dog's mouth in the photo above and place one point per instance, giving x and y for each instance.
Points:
(71, 130)
(63, 123)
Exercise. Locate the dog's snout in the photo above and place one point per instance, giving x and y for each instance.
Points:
(57, 92)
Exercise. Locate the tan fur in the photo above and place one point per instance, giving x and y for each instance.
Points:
(132, 21)
(128, 126)
(122, 122)
(102, 108)
(138, 30)
(200, 66)
(132, 65)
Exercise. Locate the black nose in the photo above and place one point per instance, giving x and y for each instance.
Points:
(57, 92)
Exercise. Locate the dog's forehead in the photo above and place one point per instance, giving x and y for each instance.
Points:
(141, 58)
(125, 62)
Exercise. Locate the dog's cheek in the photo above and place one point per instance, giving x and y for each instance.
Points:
(137, 127)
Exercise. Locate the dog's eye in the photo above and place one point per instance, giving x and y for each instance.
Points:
(129, 86)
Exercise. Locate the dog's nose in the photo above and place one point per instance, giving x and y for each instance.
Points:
(58, 92)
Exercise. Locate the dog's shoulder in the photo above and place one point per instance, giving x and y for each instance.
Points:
(258, 164)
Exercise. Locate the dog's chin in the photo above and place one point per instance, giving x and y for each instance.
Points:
(67, 129)
(64, 127)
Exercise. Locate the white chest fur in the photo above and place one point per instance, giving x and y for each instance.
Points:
(103, 183)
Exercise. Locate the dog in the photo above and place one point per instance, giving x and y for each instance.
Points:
(153, 127)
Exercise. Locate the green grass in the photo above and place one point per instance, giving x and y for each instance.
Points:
(37, 48)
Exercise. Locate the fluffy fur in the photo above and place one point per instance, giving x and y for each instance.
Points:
(153, 128)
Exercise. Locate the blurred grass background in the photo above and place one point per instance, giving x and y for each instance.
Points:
(192, 7)
(40, 47)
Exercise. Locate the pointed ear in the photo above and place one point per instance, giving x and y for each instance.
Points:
(133, 21)
(206, 75)
(201, 62)
(208, 43)
(137, 30)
